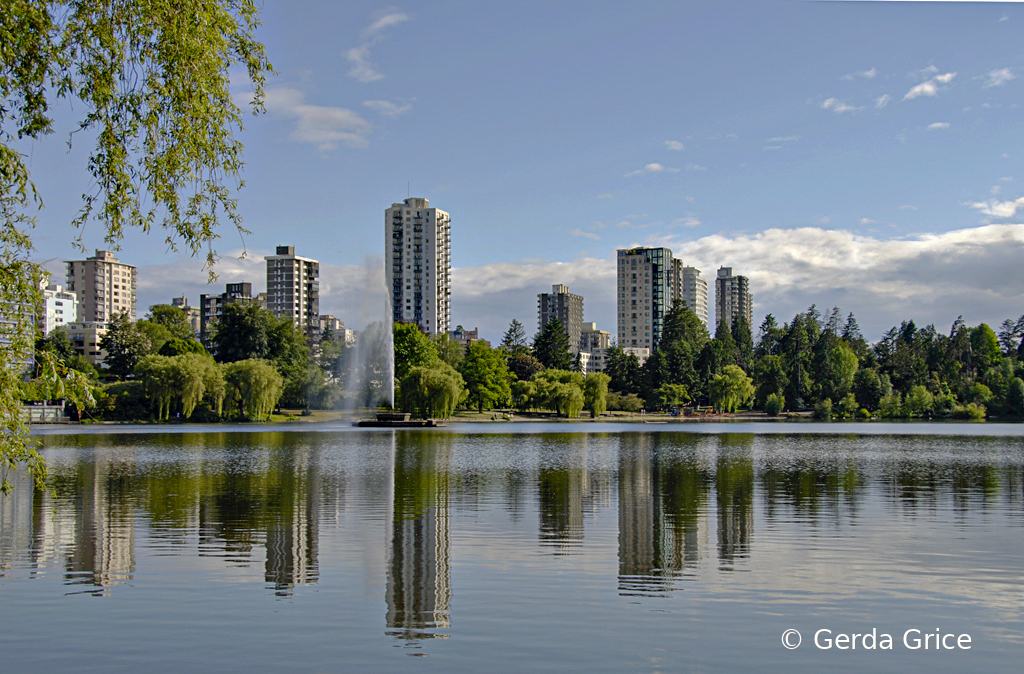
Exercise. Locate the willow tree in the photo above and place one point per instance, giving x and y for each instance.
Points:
(158, 381)
(432, 392)
(150, 82)
(595, 393)
(255, 386)
(731, 389)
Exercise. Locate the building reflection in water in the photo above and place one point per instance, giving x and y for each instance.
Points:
(419, 592)
(563, 484)
(734, 489)
(663, 515)
(292, 533)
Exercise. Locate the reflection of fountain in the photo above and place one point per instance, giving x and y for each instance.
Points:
(369, 364)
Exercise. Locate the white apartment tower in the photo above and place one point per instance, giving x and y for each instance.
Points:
(105, 286)
(293, 289)
(418, 244)
(692, 289)
(732, 298)
(60, 307)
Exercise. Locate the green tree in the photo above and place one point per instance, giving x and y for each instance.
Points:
(551, 347)
(151, 82)
(412, 349)
(731, 389)
(449, 349)
(1015, 397)
(255, 386)
(559, 390)
(157, 334)
(595, 393)
(770, 377)
(918, 402)
(514, 341)
(835, 369)
(624, 370)
(774, 404)
(242, 332)
(178, 347)
(868, 387)
(125, 345)
(524, 366)
(486, 376)
(672, 395)
(744, 341)
(984, 347)
(173, 318)
(432, 392)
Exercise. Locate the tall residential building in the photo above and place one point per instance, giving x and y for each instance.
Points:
(293, 289)
(646, 289)
(564, 306)
(418, 243)
(104, 285)
(60, 307)
(732, 298)
(211, 307)
(691, 288)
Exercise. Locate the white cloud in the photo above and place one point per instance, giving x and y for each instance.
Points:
(1004, 17)
(782, 139)
(999, 209)
(688, 221)
(674, 145)
(866, 74)
(690, 199)
(824, 220)
(1006, 179)
(653, 167)
(997, 78)
(929, 87)
(388, 108)
(359, 57)
(320, 125)
(882, 101)
(837, 106)
(908, 207)
(867, 221)
(938, 125)
(589, 235)
(996, 189)
(386, 21)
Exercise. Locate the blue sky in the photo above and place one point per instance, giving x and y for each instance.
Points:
(865, 154)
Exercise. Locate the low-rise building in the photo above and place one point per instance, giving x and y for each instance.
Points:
(211, 307)
(332, 328)
(60, 307)
(194, 314)
(465, 337)
(594, 344)
(85, 339)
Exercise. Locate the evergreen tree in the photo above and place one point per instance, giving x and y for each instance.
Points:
(242, 332)
(125, 345)
(514, 341)
(486, 376)
(551, 347)
(624, 370)
(769, 337)
(744, 341)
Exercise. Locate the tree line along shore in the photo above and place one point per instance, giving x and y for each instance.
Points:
(156, 371)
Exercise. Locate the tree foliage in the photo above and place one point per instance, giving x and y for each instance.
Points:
(254, 386)
(595, 393)
(731, 389)
(432, 392)
(551, 347)
(486, 376)
(125, 345)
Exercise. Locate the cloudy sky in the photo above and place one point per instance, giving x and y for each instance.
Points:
(860, 154)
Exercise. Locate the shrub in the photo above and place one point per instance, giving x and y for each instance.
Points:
(848, 405)
(823, 410)
(971, 411)
(774, 404)
(891, 406)
(864, 414)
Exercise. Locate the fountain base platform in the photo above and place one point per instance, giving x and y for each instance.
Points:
(395, 420)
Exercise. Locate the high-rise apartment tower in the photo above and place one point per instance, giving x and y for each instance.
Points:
(104, 285)
(418, 245)
(293, 289)
(732, 298)
(564, 306)
(691, 288)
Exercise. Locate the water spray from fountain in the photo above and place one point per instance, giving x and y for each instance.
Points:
(369, 364)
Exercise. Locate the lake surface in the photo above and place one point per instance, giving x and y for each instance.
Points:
(519, 547)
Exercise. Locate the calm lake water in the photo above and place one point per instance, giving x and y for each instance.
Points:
(514, 548)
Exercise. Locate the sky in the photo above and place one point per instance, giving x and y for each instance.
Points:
(866, 155)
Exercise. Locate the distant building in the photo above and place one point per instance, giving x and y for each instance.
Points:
(732, 298)
(104, 285)
(85, 339)
(465, 337)
(646, 288)
(60, 307)
(293, 289)
(564, 306)
(329, 325)
(194, 314)
(641, 353)
(594, 345)
(211, 307)
(691, 288)
(418, 243)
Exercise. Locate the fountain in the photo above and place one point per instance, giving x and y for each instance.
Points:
(369, 365)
